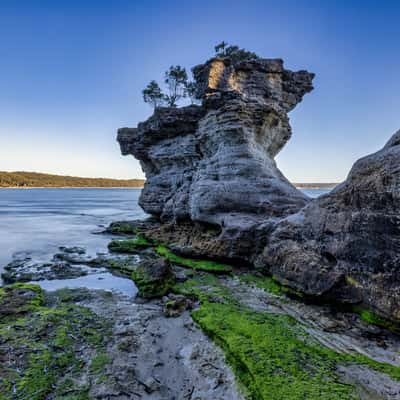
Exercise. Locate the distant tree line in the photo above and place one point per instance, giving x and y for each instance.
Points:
(178, 84)
(34, 179)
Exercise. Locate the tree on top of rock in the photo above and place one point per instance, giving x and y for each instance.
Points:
(220, 48)
(176, 79)
(191, 90)
(153, 95)
(235, 53)
(178, 88)
(178, 85)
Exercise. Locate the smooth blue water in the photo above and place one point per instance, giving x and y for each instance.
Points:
(41, 220)
(315, 192)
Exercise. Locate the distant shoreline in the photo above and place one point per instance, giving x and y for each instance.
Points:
(38, 180)
(298, 186)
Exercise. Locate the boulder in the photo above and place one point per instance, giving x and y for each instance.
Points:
(345, 246)
(153, 278)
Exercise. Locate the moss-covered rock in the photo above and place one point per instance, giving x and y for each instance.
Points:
(175, 304)
(129, 245)
(201, 265)
(153, 278)
(122, 228)
(263, 282)
(272, 358)
(98, 363)
(272, 355)
(370, 317)
(19, 299)
(121, 264)
(41, 343)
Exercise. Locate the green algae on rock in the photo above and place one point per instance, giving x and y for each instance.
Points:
(19, 299)
(122, 227)
(99, 362)
(201, 265)
(370, 317)
(123, 265)
(175, 304)
(41, 343)
(153, 278)
(263, 282)
(129, 245)
(272, 355)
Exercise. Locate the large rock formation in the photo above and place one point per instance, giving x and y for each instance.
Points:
(214, 163)
(346, 245)
(213, 183)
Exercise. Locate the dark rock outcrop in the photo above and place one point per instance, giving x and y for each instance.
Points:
(213, 184)
(346, 245)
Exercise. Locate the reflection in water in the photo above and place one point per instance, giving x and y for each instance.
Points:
(104, 281)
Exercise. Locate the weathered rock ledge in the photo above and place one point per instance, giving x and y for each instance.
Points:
(213, 184)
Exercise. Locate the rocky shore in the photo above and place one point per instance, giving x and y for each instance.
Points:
(245, 287)
(95, 344)
(196, 331)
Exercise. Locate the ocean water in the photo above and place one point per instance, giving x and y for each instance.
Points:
(315, 192)
(38, 221)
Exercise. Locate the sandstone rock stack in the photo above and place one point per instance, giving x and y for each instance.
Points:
(214, 163)
(212, 182)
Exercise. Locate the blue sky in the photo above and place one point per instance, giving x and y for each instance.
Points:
(71, 73)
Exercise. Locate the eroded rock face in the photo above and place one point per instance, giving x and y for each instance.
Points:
(213, 183)
(346, 245)
(214, 163)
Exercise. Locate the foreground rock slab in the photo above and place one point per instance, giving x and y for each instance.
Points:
(98, 345)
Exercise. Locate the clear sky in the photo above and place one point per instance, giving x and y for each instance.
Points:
(71, 73)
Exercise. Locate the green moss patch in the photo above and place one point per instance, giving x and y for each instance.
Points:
(129, 245)
(41, 344)
(200, 265)
(263, 282)
(151, 286)
(124, 228)
(124, 266)
(272, 358)
(99, 363)
(204, 287)
(19, 299)
(272, 355)
(370, 317)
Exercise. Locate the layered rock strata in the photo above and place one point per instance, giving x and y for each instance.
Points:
(214, 164)
(213, 184)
